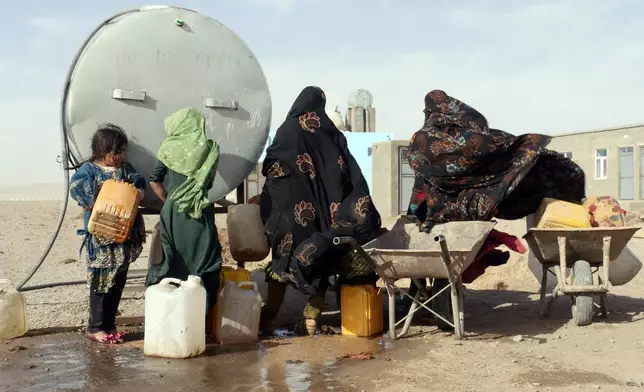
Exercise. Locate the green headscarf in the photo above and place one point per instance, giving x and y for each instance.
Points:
(187, 151)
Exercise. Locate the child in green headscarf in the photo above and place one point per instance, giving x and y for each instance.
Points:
(189, 240)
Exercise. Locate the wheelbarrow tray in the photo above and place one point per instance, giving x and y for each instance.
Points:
(406, 252)
(581, 244)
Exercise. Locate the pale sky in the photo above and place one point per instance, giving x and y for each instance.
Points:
(527, 65)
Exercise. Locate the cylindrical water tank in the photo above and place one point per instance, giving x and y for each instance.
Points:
(145, 64)
(360, 98)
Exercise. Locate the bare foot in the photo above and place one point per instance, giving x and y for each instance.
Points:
(99, 337)
(306, 327)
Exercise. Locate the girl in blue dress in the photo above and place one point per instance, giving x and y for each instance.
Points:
(107, 262)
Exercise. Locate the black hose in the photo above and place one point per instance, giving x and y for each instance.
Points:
(69, 283)
(61, 216)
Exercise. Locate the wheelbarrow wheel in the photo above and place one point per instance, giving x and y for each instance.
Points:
(582, 304)
(442, 304)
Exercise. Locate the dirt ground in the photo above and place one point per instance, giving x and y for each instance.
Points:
(508, 347)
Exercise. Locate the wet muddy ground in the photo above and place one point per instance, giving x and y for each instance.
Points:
(508, 348)
(66, 362)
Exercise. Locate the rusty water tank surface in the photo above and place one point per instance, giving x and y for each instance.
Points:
(147, 63)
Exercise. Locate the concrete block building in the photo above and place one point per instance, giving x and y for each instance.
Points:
(613, 160)
(392, 191)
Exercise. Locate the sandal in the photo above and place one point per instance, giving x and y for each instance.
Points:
(118, 336)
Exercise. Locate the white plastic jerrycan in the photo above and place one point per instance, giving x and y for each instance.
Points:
(13, 308)
(175, 318)
(238, 311)
(246, 233)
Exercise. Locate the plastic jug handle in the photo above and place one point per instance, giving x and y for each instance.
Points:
(167, 281)
(248, 283)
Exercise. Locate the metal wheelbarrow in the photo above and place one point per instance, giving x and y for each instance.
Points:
(405, 252)
(588, 253)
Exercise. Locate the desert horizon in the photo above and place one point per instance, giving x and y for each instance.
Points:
(32, 192)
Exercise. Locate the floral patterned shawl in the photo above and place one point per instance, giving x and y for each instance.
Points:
(468, 171)
(314, 191)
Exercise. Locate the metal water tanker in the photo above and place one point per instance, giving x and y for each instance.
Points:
(144, 64)
(141, 65)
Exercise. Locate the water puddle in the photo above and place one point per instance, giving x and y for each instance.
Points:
(284, 363)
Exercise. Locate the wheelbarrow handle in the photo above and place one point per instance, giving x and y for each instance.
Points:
(345, 241)
(444, 250)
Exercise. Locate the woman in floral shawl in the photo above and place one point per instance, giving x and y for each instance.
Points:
(468, 171)
(314, 191)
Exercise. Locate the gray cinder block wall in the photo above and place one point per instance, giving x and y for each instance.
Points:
(613, 160)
